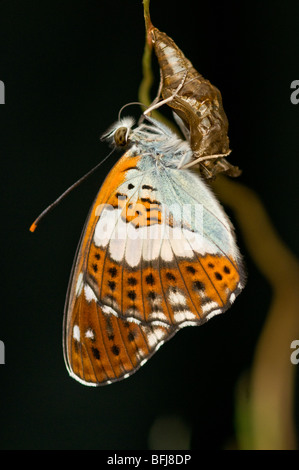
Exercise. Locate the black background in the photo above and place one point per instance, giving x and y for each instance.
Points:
(68, 67)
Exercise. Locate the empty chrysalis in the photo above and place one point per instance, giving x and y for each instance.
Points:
(196, 104)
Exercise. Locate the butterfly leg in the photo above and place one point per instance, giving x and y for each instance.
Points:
(158, 125)
(156, 105)
(203, 158)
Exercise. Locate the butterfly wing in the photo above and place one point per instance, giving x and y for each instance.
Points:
(157, 254)
(102, 345)
(102, 348)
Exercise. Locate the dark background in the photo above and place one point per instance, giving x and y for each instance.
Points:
(68, 67)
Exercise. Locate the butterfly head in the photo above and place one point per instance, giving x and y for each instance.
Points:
(150, 138)
(119, 133)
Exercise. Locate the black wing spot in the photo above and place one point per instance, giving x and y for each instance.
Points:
(132, 281)
(150, 280)
(112, 285)
(96, 353)
(198, 285)
(191, 269)
(131, 336)
(95, 267)
(147, 186)
(170, 276)
(115, 350)
(132, 294)
(113, 271)
(152, 295)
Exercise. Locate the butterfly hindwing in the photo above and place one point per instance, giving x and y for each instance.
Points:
(157, 253)
(103, 348)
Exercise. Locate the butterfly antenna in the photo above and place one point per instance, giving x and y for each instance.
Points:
(63, 195)
(129, 104)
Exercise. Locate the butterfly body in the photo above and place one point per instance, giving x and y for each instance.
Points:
(157, 253)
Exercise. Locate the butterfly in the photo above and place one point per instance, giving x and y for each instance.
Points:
(157, 253)
(197, 106)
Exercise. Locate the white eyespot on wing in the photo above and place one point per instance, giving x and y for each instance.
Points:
(134, 315)
(183, 315)
(209, 306)
(117, 249)
(105, 226)
(187, 323)
(154, 336)
(179, 249)
(180, 246)
(76, 333)
(133, 246)
(118, 239)
(160, 334)
(176, 298)
(89, 294)
(157, 316)
(152, 244)
(152, 240)
(166, 251)
(151, 338)
(89, 333)
(108, 310)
